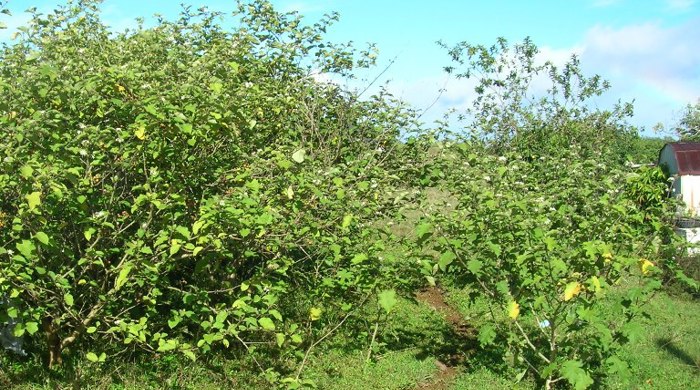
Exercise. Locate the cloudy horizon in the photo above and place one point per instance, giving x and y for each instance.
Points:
(648, 49)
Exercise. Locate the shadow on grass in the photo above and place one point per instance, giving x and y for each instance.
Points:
(667, 345)
(443, 337)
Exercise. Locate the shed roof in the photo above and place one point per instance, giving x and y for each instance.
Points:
(687, 156)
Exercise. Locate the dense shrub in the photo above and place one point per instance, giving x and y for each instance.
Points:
(186, 187)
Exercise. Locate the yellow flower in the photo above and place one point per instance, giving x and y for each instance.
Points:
(572, 289)
(513, 310)
(140, 132)
(645, 266)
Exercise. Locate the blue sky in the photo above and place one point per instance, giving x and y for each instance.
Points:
(648, 49)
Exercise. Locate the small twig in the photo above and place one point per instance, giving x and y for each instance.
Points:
(548, 384)
(378, 76)
(532, 346)
(371, 343)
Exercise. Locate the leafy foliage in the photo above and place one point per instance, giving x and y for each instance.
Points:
(531, 106)
(190, 189)
(688, 127)
(179, 189)
(547, 243)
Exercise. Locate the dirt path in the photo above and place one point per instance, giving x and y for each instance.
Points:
(447, 365)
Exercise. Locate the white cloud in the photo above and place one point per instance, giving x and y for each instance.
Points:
(666, 59)
(656, 66)
(680, 5)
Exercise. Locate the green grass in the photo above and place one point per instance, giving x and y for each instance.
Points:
(666, 356)
(391, 370)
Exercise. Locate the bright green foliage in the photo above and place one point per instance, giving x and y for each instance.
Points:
(547, 241)
(189, 189)
(184, 188)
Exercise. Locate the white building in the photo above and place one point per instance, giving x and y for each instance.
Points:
(681, 161)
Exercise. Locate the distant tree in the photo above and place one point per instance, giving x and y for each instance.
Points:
(537, 107)
(644, 150)
(689, 126)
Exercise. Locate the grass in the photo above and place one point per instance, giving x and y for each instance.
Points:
(666, 356)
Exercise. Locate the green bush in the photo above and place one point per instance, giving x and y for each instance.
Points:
(186, 187)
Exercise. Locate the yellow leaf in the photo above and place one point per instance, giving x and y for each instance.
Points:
(315, 313)
(645, 266)
(290, 192)
(120, 88)
(572, 289)
(607, 256)
(140, 132)
(513, 310)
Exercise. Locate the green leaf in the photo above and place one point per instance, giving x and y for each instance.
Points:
(299, 156)
(475, 266)
(190, 355)
(26, 171)
(26, 248)
(276, 314)
(68, 299)
(280, 339)
(19, 330)
(123, 276)
(88, 233)
(33, 200)
(42, 238)
(266, 323)
(424, 230)
(445, 260)
(31, 327)
(617, 366)
(166, 345)
(91, 356)
(173, 322)
(487, 335)
(387, 300)
(550, 242)
(197, 226)
(347, 220)
(184, 232)
(573, 372)
(175, 246)
(359, 258)
(221, 316)
(216, 87)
